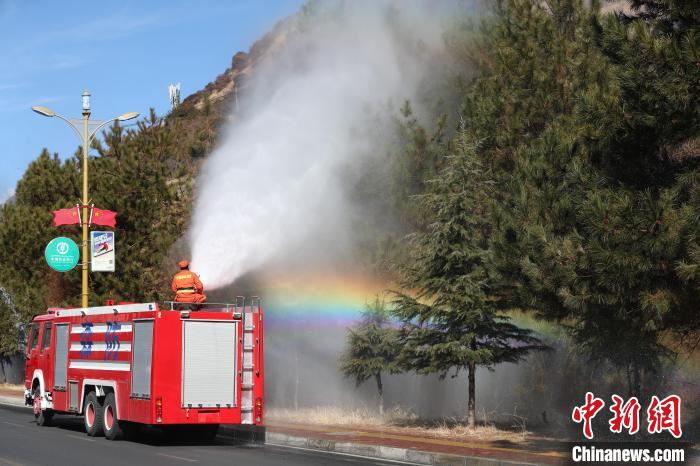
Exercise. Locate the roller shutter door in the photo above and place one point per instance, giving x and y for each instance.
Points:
(60, 366)
(209, 363)
(142, 354)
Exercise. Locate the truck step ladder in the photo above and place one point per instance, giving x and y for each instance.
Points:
(250, 321)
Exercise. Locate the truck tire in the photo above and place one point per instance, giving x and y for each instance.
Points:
(43, 417)
(112, 426)
(92, 410)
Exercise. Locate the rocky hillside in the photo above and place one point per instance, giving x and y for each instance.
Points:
(202, 113)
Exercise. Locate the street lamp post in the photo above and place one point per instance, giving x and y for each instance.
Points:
(85, 137)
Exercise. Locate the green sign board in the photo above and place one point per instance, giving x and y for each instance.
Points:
(62, 254)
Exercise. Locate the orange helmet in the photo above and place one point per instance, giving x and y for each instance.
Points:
(184, 264)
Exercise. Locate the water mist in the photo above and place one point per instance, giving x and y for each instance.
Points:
(274, 213)
(275, 186)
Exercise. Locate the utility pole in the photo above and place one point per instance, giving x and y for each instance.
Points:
(86, 140)
(86, 136)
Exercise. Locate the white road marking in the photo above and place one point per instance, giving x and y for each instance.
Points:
(80, 437)
(14, 424)
(5, 461)
(178, 457)
(374, 458)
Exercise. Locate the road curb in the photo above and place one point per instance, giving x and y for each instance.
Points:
(385, 452)
(243, 433)
(13, 402)
(16, 407)
(254, 434)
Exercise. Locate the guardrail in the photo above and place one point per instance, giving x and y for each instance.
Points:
(236, 306)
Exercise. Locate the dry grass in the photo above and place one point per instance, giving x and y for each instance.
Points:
(334, 416)
(11, 388)
(447, 428)
(399, 421)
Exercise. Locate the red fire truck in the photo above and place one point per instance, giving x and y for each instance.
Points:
(123, 365)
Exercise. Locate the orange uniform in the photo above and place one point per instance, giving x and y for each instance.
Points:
(188, 287)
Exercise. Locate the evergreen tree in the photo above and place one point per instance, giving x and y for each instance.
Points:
(666, 16)
(150, 186)
(371, 348)
(415, 162)
(9, 326)
(589, 124)
(144, 174)
(449, 317)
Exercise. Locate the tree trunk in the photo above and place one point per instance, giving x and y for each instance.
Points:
(380, 391)
(630, 390)
(296, 378)
(637, 379)
(471, 405)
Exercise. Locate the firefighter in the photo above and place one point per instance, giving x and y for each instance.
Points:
(187, 286)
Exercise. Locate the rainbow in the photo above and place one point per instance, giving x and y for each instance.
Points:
(318, 300)
(333, 300)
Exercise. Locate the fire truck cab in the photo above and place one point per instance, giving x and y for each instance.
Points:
(124, 365)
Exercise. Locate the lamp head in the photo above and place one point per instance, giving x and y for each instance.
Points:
(86, 101)
(43, 111)
(127, 116)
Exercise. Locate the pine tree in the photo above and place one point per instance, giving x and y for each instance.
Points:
(666, 16)
(449, 316)
(150, 185)
(416, 161)
(144, 174)
(591, 125)
(371, 348)
(9, 326)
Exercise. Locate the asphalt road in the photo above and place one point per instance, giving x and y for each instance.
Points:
(22, 442)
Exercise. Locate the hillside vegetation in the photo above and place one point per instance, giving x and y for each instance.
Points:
(569, 190)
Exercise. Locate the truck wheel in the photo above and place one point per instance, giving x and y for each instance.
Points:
(113, 428)
(92, 409)
(43, 417)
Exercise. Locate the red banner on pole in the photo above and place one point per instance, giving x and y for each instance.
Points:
(66, 217)
(102, 217)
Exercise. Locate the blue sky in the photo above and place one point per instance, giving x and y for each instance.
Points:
(125, 53)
